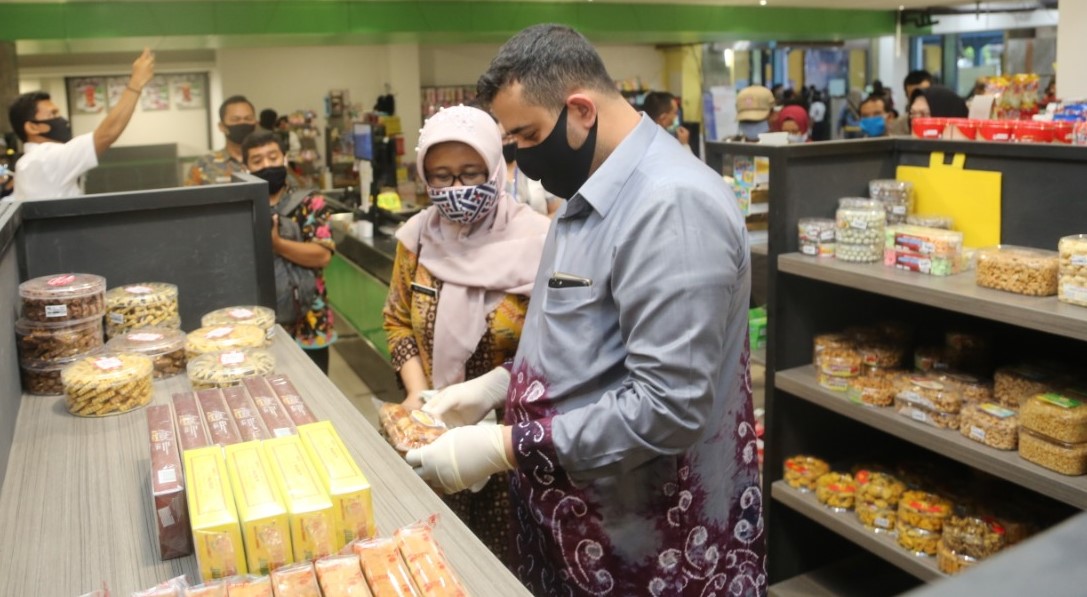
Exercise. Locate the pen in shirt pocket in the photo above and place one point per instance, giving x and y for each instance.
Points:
(561, 280)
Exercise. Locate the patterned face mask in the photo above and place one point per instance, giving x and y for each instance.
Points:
(465, 205)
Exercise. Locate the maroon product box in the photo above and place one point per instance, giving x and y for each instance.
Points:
(275, 417)
(292, 400)
(167, 485)
(221, 427)
(250, 425)
(191, 432)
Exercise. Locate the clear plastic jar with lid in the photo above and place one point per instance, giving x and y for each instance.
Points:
(1014, 385)
(262, 317)
(1021, 270)
(824, 342)
(918, 541)
(882, 354)
(930, 221)
(859, 230)
(923, 510)
(51, 341)
(1053, 454)
(896, 196)
(951, 562)
(43, 379)
(816, 236)
(836, 491)
(63, 297)
(931, 394)
(229, 368)
(973, 389)
(873, 390)
(165, 347)
(923, 414)
(107, 384)
(1059, 415)
(228, 337)
(1072, 287)
(141, 305)
(990, 424)
(838, 368)
(973, 536)
(877, 500)
(801, 472)
(931, 358)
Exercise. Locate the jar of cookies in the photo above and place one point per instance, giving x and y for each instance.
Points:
(950, 561)
(107, 384)
(1059, 415)
(65, 297)
(53, 341)
(1014, 385)
(801, 472)
(973, 536)
(990, 424)
(43, 379)
(147, 304)
(229, 368)
(923, 510)
(227, 337)
(261, 317)
(1072, 286)
(165, 347)
(838, 369)
(877, 500)
(1021, 270)
(872, 390)
(1063, 457)
(824, 342)
(930, 221)
(836, 491)
(918, 541)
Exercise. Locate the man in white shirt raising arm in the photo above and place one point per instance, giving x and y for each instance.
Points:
(53, 161)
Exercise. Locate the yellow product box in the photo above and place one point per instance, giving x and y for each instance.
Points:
(266, 530)
(309, 508)
(217, 537)
(343, 480)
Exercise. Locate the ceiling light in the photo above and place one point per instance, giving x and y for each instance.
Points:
(762, 2)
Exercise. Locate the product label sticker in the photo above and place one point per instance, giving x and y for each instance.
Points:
(1059, 400)
(145, 337)
(927, 384)
(231, 358)
(61, 280)
(859, 223)
(809, 249)
(56, 310)
(882, 523)
(827, 235)
(241, 313)
(1075, 293)
(167, 475)
(219, 333)
(108, 363)
(117, 318)
(997, 410)
(977, 433)
(166, 517)
(918, 415)
(899, 210)
(1079, 260)
(139, 289)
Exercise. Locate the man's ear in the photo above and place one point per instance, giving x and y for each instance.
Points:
(222, 128)
(580, 108)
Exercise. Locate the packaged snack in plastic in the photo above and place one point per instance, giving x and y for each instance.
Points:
(873, 390)
(63, 297)
(923, 510)
(973, 536)
(1059, 415)
(171, 588)
(261, 317)
(292, 401)
(408, 430)
(208, 589)
(929, 221)
(229, 368)
(990, 424)
(103, 592)
(249, 586)
(426, 561)
(1014, 385)
(227, 337)
(836, 490)
(973, 389)
(141, 305)
(344, 481)
(165, 347)
(951, 562)
(816, 237)
(298, 580)
(107, 384)
(1053, 454)
(896, 196)
(932, 358)
(838, 368)
(1018, 269)
(49, 342)
(931, 394)
(384, 568)
(824, 342)
(341, 576)
(923, 414)
(801, 472)
(919, 541)
(1073, 270)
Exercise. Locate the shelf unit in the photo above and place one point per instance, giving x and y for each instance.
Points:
(1041, 189)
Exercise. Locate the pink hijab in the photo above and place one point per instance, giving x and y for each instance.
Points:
(478, 263)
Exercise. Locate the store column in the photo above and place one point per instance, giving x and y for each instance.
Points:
(9, 81)
(1072, 50)
(404, 83)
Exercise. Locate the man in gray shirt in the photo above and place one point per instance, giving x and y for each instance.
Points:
(628, 424)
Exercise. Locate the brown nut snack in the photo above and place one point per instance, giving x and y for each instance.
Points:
(107, 384)
(879, 489)
(1055, 455)
(836, 490)
(923, 510)
(43, 379)
(1014, 385)
(950, 562)
(1059, 415)
(924, 415)
(873, 390)
(928, 393)
(65, 297)
(881, 354)
(141, 305)
(1017, 269)
(916, 540)
(990, 424)
(165, 346)
(824, 342)
(41, 342)
(801, 472)
(974, 537)
(973, 389)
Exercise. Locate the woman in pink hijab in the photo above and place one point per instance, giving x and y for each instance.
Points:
(461, 281)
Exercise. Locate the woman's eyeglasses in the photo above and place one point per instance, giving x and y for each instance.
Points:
(441, 180)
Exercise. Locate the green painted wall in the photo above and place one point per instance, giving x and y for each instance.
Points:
(359, 297)
(430, 21)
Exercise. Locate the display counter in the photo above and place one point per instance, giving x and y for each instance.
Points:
(76, 510)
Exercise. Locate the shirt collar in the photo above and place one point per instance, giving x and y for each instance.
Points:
(602, 189)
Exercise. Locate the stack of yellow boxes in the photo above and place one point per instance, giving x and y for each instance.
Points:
(259, 505)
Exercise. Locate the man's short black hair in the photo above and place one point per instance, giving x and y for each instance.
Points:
(875, 98)
(268, 118)
(916, 77)
(282, 120)
(234, 99)
(657, 103)
(25, 109)
(258, 139)
(549, 61)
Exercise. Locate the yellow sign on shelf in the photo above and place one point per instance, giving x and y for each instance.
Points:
(971, 197)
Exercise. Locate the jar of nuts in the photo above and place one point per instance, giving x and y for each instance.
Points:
(801, 472)
(823, 342)
(923, 510)
(873, 390)
(923, 414)
(262, 317)
(1014, 385)
(990, 424)
(974, 537)
(816, 236)
(896, 197)
(51, 341)
(1072, 286)
(836, 490)
(165, 347)
(881, 354)
(1032, 272)
(859, 236)
(65, 297)
(973, 389)
(875, 518)
(43, 379)
(1061, 416)
(141, 305)
(227, 337)
(927, 392)
(918, 541)
(107, 384)
(838, 368)
(1053, 454)
(229, 368)
(877, 500)
(950, 562)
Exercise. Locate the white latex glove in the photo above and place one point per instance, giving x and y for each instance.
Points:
(468, 402)
(461, 458)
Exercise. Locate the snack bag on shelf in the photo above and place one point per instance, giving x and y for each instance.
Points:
(344, 481)
(171, 588)
(341, 576)
(409, 429)
(427, 563)
(211, 589)
(298, 580)
(249, 586)
(384, 568)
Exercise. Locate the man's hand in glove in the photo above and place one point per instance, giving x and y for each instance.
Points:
(467, 403)
(464, 456)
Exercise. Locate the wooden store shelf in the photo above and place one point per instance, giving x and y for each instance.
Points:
(801, 382)
(760, 249)
(862, 575)
(959, 293)
(847, 525)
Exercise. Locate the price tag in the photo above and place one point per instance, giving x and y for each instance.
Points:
(977, 433)
(139, 289)
(145, 337)
(56, 310)
(219, 333)
(118, 318)
(108, 363)
(241, 313)
(859, 223)
(919, 416)
(61, 280)
(231, 358)
(899, 210)
(1079, 260)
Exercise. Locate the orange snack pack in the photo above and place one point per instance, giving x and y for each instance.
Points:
(384, 568)
(298, 580)
(341, 576)
(426, 561)
(211, 589)
(249, 586)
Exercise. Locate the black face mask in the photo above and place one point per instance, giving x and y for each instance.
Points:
(561, 169)
(60, 129)
(238, 132)
(275, 176)
(509, 152)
